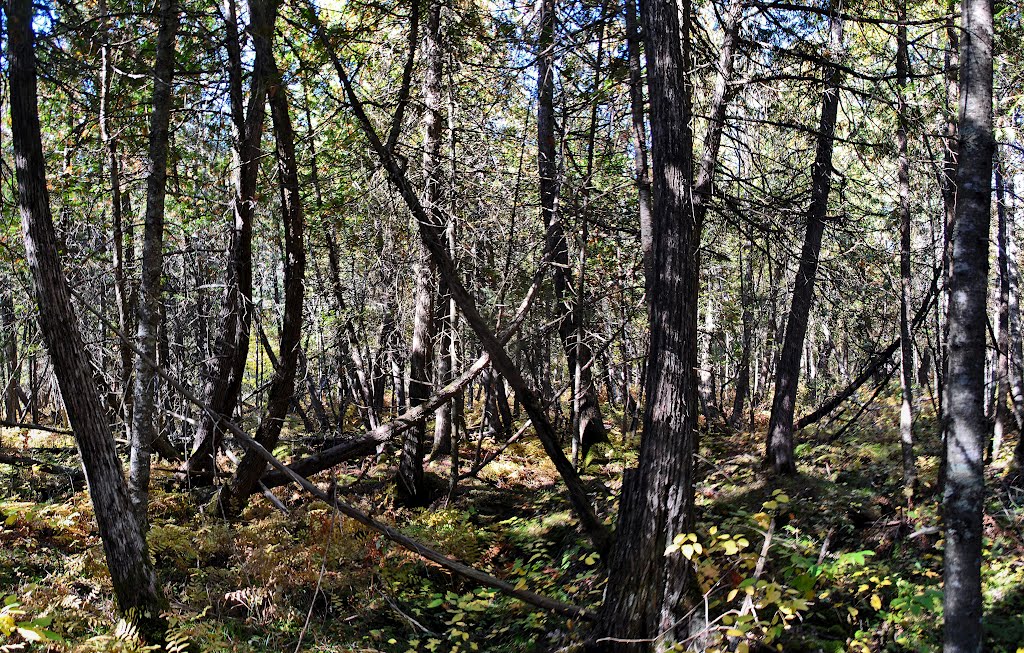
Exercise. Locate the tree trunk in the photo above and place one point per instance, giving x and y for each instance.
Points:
(223, 376)
(640, 165)
(964, 491)
(951, 75)
(234, 497)
(1001, 412)
(906, 280)
(10, 354)
(779, 446)
(649, 595)
(747, 320)
(411, 489)
(122, 294)
(570, 330)
(1016, 343)
(120, 531)
(144, 432)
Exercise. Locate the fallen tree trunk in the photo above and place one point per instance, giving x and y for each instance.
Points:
(872, 367)
(76, 476)
(368, 443)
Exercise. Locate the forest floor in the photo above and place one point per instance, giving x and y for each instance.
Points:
(848, 566)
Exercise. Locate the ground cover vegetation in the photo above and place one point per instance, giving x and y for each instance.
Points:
(438, 325)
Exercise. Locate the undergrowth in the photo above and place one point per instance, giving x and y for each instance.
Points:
(851, 563)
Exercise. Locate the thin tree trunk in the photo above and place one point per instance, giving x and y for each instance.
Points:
(747, 319)
(570, 330)
(223, 375)
(640, 166)
(10, 355)
(121, 532)
(951, 75)
(411, 489)
(1016, 343)
(121, 290)
(234, 497)
(964, 491)
(144, 431)
(1001, 412)
(906, 280)
(779, 446)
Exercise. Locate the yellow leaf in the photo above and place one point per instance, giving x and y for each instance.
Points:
(730, 547)
(687, 551)
(732, 595)
(876, 602)
(732, 632)
(742, 647)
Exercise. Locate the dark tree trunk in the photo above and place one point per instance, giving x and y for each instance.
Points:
(951, 75)
(121, 532)
(223, 376)
(964, 490)
(411, 489)
(779, 446)
(122, 294)
(144, 404)
(1016, 344)
(906, 280)
(747, 319)
(588, 416)
(1001, 411)
(650, 594)
(12, 364)
(234, 497)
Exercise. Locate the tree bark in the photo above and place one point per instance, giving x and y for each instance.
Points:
(144, 432)
(964, 491)
(121, 532)
(1001, 411)
(779, 445)
(122, 293)
(648, 594)
(641, 170)
(747, 319)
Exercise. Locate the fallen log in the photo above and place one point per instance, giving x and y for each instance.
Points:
(76, 476)
(368, 443)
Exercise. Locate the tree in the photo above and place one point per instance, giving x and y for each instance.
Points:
(231, 345)
(233, 497)
(119, 527)
(906, 280)
(648, 593)
(779, 455)
(964, 491)
(144, 402)
(410, 470)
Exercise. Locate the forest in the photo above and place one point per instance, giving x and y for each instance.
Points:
(484, 325)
